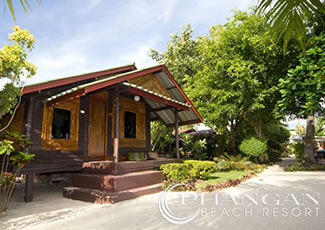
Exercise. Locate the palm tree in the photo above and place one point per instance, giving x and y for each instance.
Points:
(23, 3)
(289, 16)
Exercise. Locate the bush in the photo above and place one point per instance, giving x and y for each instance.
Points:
(191, 169)
(200, 169)
(254, 147)
(298, 166)
(194, 148)
(298, 150)
(239, 163)
(175, 171)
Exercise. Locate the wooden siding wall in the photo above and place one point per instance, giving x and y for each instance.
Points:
(152, 83)
(17, 123)
(129, 105)
(66, 159)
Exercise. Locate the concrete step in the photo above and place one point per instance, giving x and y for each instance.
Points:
(102, 197)
(116, 183)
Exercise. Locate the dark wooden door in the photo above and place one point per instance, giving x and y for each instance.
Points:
(97, 126)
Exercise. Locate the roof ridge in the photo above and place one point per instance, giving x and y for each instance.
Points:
(77, 75)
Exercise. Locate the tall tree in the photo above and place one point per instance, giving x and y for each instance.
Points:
(303, 89)
(232, 74)
(182, 56)
(241, 69)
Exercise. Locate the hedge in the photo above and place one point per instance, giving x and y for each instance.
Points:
(190, 169)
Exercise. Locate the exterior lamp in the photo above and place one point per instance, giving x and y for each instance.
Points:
(136, 98)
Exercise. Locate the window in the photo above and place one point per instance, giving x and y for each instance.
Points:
(61, 123)
(130, 125)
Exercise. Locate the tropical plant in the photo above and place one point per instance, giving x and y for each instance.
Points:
(161, 137)
(288, 17)
(12, 163)
(228, 162)
(255, 148)
(13, 66)
(193, 148)
(24, 3)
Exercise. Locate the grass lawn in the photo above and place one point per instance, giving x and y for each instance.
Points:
(218, 177)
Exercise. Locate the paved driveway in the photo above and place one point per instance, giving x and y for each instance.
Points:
(273, 200)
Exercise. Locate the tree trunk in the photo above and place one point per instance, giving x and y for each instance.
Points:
(309, 149)
(258, 128)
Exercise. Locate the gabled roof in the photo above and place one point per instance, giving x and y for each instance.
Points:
(72, 79)
(162, 107)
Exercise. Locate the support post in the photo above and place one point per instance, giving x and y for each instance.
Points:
(117, 132)
(29, 187)
(176, 134)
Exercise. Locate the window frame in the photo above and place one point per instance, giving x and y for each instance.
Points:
(50, 143)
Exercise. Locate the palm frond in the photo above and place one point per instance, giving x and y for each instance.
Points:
(24, 3)
(287, 17)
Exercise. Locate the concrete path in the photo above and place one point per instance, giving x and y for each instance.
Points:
(273, 200)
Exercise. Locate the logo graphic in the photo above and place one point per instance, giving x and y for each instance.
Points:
(167, 213)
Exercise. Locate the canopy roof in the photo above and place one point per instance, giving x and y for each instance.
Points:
(162, 107)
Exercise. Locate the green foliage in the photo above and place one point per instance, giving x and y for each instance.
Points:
(200, 169)
(175, 171)
(254, 147)
(161, 137)
(14, 65)
(10, 144)
(20, 141)
(298, 166)
(239, 163)
(23, 3)
(303, 89)
(190, 169)
(320, 126)
(6, 147)
(8, 98)
(182, 56)
(298, 150)
(21, 158)
(289, 17)
(277, 135)
(231, 75)
(195, 148)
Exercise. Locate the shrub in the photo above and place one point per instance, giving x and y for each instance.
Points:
(193, 147)
(175, 171)
(239, 163)
(10, 145)
(298, 150)
(200, 169)
(254, 147)
(191, 169)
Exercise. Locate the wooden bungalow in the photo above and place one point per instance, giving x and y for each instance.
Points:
(90, 123)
